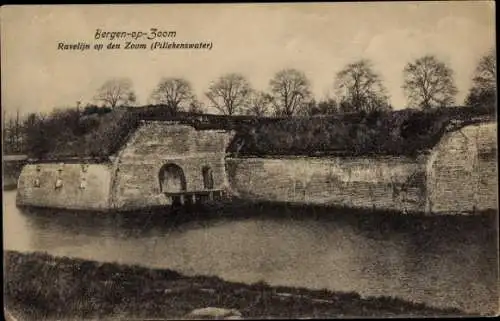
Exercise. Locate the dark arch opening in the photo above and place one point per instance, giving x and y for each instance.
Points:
(172, 179)
(208, 177)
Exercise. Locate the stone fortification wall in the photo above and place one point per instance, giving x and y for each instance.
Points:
(458, 175)
(382, 183)
(131, 179)
(462, 171)
(156, 144)
(137, 182)
(66, 186)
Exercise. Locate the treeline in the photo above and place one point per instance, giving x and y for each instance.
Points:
(286, 120)
(38, 131)
(427, 83)
(93, 132)
(13, 134)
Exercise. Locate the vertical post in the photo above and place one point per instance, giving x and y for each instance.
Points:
(182, 199)
(193, 198)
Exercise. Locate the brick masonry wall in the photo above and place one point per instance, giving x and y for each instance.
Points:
(459, 175)
(155, 144)
(462, 171)
(80, 190)
(381, 183)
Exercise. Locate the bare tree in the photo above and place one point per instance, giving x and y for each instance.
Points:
(259, 104)
(13, 133)
(116, 92)
(196, 107)
(290, 92)
(230, 93)
(428, 83)
(8, 135)
(17, 133)
(359, 88)
(485, 76)
(484, 85)
(175, 93)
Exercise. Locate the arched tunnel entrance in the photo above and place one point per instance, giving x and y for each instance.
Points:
(172, 179)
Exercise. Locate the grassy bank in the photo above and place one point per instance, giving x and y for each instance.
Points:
(39, 286)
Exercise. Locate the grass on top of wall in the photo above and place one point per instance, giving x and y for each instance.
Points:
(406, 132)
(41, 286)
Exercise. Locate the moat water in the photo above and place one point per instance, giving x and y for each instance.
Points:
(450, 265)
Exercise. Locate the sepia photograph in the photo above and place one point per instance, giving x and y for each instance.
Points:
(249, 161)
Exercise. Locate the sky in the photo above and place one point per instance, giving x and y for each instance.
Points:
(256, 40)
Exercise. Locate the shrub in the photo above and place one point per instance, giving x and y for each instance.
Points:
(69, 134)
(93, 109)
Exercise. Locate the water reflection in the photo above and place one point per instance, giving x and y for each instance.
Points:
(452, 264)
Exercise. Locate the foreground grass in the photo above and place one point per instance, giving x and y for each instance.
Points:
(40, 286)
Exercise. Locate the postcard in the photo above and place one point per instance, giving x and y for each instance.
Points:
(249, 160)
